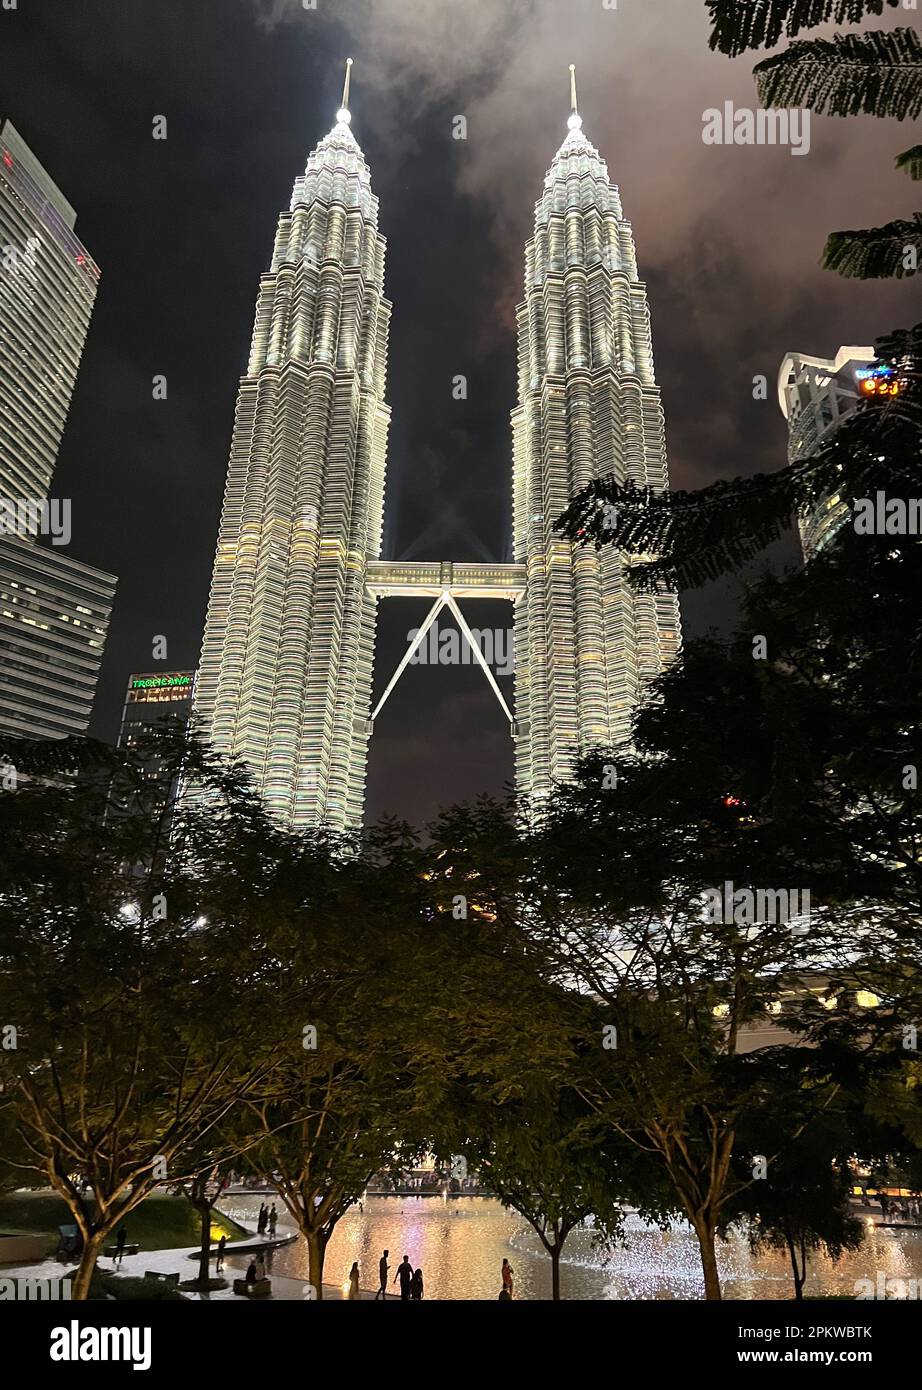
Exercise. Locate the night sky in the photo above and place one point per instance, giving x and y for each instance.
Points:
(728, 240)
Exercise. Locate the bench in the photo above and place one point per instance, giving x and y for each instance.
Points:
(112, 1250)
(260, 1289)
(70, 1242)
(162, 1278)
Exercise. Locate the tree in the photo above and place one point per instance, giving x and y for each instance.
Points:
(131, 973)
(628, 952)
(345, 931)
(800, 1205)
(702, 802)
(202, 1190)
(548, 1161)
(877, 73)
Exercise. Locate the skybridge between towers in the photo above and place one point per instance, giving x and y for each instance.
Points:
(444, 581)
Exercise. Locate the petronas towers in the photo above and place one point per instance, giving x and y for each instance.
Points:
(285, 679)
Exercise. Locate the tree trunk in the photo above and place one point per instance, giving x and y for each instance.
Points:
(801, 1279)
(555, 1273)
(707, 1245)
(205, 1246)
(316, 1251)
(80, 1286)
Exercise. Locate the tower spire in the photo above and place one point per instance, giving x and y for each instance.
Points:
(574, 120)
(343, 115)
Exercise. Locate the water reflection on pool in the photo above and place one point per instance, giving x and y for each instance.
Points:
(461, 1243)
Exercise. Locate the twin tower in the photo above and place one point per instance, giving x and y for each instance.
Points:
(285, 680)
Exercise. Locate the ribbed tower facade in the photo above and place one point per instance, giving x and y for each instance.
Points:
(285, 676)
(588, 406)
(54, 610)
(48, 284)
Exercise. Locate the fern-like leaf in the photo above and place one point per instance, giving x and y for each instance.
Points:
(911, 161)
(738, 25)
(879, 74)
(879, 253)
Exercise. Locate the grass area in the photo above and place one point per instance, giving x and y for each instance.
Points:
(160, 1223)
(129, 1290)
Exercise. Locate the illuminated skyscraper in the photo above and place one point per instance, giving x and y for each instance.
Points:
(588, 406)
(54, 610)
(54, 617)
(285, 676)
(152, 698)
(154, 701)
(48, 283)
(816, 394)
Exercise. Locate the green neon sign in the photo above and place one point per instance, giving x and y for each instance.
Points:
(158, 682)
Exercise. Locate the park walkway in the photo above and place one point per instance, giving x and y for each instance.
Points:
(183, 1261)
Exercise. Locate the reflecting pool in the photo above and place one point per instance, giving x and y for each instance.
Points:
(461, 1242)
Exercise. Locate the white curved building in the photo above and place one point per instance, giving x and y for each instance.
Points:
(815, 395)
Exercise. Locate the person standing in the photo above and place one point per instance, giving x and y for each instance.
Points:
(273, 1218)
(405, 1275)
(263, 1216)
(219, 1260)
(382, 1277)
(508, 1277)
(354, 1280)
(120, 1239)
(416, 1286)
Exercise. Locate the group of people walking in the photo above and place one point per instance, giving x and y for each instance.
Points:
(900, 1208)
(268, 1216)
(411, 1280)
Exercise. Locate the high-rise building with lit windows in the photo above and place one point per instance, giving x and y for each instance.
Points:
(588, 406)
(153, 698)
(815, 395)
(284, 681)
(54, 610)
(154, 702)
(48, 283)
(54, 617)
